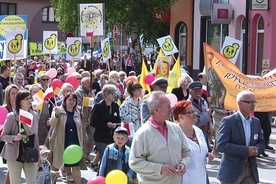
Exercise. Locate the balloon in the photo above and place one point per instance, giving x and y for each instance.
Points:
(172, 98)
(41, 73)
(131, 78)
(70, 70)
(182, 70)
(72, 154)
(3, 112)
(56, 83)
(149, 78)
(116, 177)
(72, 80)
(97, 180)
(52, 73)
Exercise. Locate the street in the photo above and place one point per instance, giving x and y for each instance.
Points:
(266, 168)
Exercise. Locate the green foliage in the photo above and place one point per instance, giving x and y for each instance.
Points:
(140, 14)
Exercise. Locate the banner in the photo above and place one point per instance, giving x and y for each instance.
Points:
(167, 45)
(163, 67)
(61, 48)
(225, 81)
(73, 48)
(105, 45)
(12, 23)
(50, 42)
(91, 19)
(36, 48)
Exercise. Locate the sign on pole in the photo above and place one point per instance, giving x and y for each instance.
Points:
(15, 45)
(167, 45)
(231, 48)
(105, 45)
(73, 48)
(91, 19)
(50, 42)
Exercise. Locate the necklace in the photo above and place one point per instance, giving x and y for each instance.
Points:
(193, 137)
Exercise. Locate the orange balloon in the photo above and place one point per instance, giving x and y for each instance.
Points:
(131, 78)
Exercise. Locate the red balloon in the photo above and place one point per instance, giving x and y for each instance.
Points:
(72, 80)
(56, 83)
(97, 180)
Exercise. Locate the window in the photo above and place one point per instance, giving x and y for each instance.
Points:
(183, 44)
(48, 15)
(7, 9)
(216, 34)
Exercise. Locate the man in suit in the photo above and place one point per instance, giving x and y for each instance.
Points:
(240, 139)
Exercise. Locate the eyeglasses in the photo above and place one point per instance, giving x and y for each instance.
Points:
(78, 78)
(26, 99)
(190, 112)
(249, 102)
(72, 100)
(112, 94)
(45, 79)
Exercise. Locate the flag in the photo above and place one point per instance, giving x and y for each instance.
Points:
(56, 91)
(174, 76)
(38, 98)
(160, 54)
(25, 117)
(144, 73)
(130, 128)
(87, 102)
(49, 93)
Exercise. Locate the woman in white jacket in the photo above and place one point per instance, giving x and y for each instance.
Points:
(185, 115)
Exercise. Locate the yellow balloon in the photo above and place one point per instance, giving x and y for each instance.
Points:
(41, 73)
(116, 177)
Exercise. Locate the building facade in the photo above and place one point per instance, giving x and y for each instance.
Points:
(190, 27)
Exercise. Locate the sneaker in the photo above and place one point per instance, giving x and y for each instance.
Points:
(70, 178)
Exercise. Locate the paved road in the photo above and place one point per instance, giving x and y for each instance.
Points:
(266, 168)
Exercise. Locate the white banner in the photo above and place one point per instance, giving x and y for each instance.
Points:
(50, 42)
(73, 48)
(167, 45)
(105, 45)
(15, 44)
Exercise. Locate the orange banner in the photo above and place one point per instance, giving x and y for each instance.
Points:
(225, 81)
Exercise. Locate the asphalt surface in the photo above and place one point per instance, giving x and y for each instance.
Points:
(266, 167)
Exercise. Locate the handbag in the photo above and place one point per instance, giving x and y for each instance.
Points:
(29, 154)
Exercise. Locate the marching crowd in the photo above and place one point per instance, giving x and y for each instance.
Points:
(129, 129)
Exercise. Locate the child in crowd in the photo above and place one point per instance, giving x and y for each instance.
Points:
(44, 167)
(116, 156)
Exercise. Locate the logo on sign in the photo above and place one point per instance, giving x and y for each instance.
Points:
(222, 13)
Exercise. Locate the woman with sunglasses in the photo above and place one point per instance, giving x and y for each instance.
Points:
(185, 115)
(15, 139)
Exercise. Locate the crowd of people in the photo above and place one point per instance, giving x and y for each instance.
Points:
(128, 128)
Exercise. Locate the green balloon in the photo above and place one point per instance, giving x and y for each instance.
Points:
(72, 154)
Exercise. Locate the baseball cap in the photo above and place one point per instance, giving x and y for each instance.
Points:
(121, 130)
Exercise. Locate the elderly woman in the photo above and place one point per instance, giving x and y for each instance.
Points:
(182, 92)
(105, 118)
(16, 142)
(65, 88)
(131, 107)
(67, 130)
(185, 115)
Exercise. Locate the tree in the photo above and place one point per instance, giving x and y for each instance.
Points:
(143, 17)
